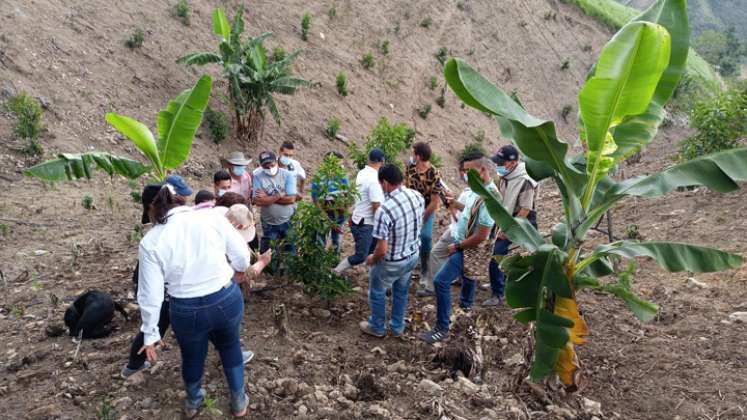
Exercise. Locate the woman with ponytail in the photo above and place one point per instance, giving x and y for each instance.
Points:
(192, 256)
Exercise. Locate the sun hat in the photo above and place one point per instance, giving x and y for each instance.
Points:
(238, 159)
(239, 214)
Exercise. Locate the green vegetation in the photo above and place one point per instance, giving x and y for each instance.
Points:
(176, 123)
(313, 263)
(305, 26)
(720, 123)
(137, 197)
(279, 54)
(136, 39)
(217, 124)
(700, 76)
(479, 136)
(621, 106)
(136, 234)
(182, 11)
(332, 12)
(393, 140)
(437, 160)
(474, 147)
(106, 411)
(442, 54)
(342, 84)
(722, 49)
(433, 83)
(87, 202)
(253, 80)
(28, 113)
(4, 230)
(333, 126)
(368, 61)
(426, 23)
(384, 47)
(424, 110)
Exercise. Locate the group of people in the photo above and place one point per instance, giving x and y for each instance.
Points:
(193, 259)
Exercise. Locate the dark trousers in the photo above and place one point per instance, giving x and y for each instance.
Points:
(364, 242)
(137, 360)
(497, 277)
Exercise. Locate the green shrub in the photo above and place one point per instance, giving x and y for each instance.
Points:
(472, 148)
(442, 55)
(217, 124)
(106, 411)
(136, 196)
(333, 126)
(393, 140)
(384, 47)
(136, 39)
(87, 202)
(182, 11)
(33, 148)
(332, 12)
(305, 26)
(436, 160)
(342, 84)
(28, 113)
(433, 83)
(4, 230)
(368, 61)
(460, 5)
(426, 23)
(278, 54)
(720, 122)
(424, 110)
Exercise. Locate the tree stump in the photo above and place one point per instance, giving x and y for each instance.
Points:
(281, 320)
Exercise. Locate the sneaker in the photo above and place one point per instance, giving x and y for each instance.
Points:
(466, 309)
(240, 410)
(366, 328)
(434, 336)
(457, 282)
(127, 372)
(425, 293)
(247, 356)
(494, 301)
(485, 286)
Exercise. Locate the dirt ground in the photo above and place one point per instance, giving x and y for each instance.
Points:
(690, 363)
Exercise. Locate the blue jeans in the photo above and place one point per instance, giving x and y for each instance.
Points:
(273, 233)
(215, 318)
(385, 275)
(450, 271)
(364, 243)
(497, 278)
(426, 243)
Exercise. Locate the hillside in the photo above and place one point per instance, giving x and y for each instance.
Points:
(688, 363)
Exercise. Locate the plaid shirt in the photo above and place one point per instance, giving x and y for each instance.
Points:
(426, 183)
(398, 221)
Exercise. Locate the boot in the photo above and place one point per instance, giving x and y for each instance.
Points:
(342, 266)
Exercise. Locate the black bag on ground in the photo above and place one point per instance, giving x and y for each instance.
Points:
(91, 313)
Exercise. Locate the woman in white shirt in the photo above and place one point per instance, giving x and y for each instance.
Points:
(193, 255)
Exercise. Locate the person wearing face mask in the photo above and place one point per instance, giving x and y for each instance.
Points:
(519, 192)
(285, 159)
(221, 183)
(241, 179)
(424, 178)
(274, 192)
(471, 229)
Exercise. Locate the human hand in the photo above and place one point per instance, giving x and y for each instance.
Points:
(150, 351)
(266, 257)
(501, 236)
(370, 260)
(452, 248)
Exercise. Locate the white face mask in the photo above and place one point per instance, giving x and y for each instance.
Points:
(411, 161)
(271, 171)
(221, 193)
(465, 178)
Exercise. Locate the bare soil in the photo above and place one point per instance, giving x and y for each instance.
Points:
(689, 363)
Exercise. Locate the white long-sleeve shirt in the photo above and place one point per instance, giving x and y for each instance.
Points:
(187, 257)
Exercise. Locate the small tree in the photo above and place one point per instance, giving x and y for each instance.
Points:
(393, 140)
(342, 84)
(177, 124)
(305, 26)
(313, 263)
(253, 79)
(621, 106)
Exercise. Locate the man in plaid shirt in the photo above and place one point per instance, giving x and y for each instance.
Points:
(397, 225)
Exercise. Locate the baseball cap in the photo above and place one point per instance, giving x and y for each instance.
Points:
(376, 155)
(506, 153)
(179, 184)
(266, 157)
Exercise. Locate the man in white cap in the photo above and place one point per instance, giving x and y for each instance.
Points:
(241, 179)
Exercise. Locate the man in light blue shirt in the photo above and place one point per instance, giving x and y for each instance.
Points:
(274, 192)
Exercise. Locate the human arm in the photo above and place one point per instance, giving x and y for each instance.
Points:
(432, 206)
(472, 241)
(291, 195)
(236, 248)
(382, 224)
(379, 252)
(150, 294)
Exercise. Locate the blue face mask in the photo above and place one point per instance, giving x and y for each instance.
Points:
(284, 160)
(239, 170)
(502, 171)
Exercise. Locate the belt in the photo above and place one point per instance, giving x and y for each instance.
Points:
(399, 259)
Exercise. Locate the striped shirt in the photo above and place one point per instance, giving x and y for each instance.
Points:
(398, 221)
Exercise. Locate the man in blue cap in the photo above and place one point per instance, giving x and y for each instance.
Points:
(369, 199)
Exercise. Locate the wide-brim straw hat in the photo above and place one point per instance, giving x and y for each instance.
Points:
(239, 214)
(238, 158)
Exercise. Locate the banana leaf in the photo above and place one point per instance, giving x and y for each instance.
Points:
(674, 256)
(69, 166)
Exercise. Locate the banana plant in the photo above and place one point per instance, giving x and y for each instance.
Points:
(621, 106)
(177, 124)
(252, 78)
